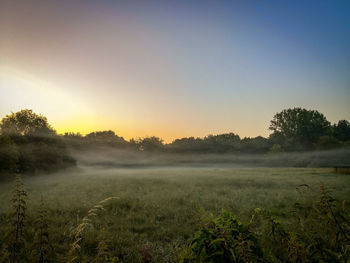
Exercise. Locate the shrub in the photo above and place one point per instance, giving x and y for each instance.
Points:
(29, 144)
(9, 157)
(276, 148)
(320, 233)
(223, 239)
(42, 154)
(327, 143)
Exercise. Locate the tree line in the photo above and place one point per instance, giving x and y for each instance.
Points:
(293, 130)
(29, 144)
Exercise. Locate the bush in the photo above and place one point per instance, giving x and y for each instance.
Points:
(327, 143)
(320, 232)
(42, 154)
(223, 239)
(9, 157)
(276, 148)
(29, 144)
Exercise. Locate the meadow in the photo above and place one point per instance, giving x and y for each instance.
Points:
(156, 210)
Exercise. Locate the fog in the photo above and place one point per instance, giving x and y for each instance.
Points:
(107, 157)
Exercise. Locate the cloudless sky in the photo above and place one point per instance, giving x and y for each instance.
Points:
(173, 68)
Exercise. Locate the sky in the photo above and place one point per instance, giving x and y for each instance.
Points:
(173, 69)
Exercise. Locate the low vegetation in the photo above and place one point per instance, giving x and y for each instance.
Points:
(320, 233)
(172, 214)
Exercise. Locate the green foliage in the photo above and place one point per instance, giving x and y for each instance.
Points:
(74, 254)
(103, 251)
(149, 144)
(276, 148)
(223, 239)
(25, 122)
(157, 213)
(105, 138)
(341, 131)
(30, 145)
(43, 154)
(190, 144)
(41, 245)
(221, 143)
(255, 145)
(324, 228)
(320, 233)
(300, 125)
(96, 140)
(327, 143)
(15, 236)
(9, 157)
(4, 255)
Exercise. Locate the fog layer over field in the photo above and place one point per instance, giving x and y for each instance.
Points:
(108, 157)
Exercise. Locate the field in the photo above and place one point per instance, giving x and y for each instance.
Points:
(158, 209)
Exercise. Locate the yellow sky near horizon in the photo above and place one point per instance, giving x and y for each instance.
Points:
(68, 112)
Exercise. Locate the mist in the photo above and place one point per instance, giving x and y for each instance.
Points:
(108, 157)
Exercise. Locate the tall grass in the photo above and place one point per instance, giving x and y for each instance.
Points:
(74, 254)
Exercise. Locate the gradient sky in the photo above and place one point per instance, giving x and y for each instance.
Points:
(173, 68)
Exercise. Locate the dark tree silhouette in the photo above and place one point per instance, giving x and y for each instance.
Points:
(39, 148)
(300, 126)
(150, 144)
(104, 136)
(25, 122)
(341, 131)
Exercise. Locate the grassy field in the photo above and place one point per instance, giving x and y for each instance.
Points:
(158, 209)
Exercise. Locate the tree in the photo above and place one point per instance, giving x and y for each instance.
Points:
(221, 143)
(150, 144)
(341, 131)
(39, 148)
(25, 122)
(190, 144)
(255, 145)
(104, 137)
(300, 125)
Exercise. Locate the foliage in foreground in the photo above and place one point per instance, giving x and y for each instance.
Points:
(318, 232)
(321, 233)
